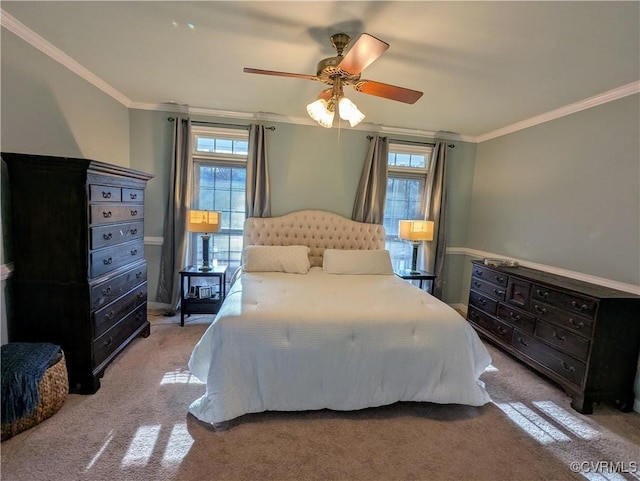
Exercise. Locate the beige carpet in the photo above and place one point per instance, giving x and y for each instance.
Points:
(137, 428)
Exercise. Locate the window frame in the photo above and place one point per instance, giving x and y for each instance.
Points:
(408, 173)
(215, 160)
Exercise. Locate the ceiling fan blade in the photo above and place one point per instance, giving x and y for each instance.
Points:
(366, 49)
(280, 74)
(387, 91)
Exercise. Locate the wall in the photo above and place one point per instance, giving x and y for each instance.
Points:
(46, 109)
(564, 193)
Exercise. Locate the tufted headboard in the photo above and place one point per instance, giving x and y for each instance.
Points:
(319, 230)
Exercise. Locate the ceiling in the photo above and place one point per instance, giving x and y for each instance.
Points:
(483, 66)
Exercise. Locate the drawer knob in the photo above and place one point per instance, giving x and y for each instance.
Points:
(577, 325)
(498, 292)
(542, 294)
(108, 342)
(134, 213)
(108, 261)
(502, 330)
(559, 337)
(106, 195)
(515, 317)
(109, 316)
(106, 215)
(107, 236)
(478, 272)
(133, 252)
(476, 284)
(500, 279)
(523, 342)
(482, 300)
(107, 291)
(566, 367)
(579, 307)
(540, 310)
(140, 295)
(134, 231)
(138, 275)
(133, 196)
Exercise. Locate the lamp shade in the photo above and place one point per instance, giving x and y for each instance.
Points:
(205, 221)
(416, 230)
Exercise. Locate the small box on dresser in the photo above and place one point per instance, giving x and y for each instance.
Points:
(80, 274)
(583, 336)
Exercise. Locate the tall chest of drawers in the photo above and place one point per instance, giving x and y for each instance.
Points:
(80, 274)
(583, 336)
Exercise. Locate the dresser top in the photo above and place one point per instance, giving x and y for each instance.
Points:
(555, 280)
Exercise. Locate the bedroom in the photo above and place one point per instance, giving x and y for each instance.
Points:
(562, 194)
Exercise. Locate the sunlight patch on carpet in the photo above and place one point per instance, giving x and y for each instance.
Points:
(100, 451)
(569, 421)
(533, 424)
(491, 368)
(141, 447)
(178, 446)
(179, 376)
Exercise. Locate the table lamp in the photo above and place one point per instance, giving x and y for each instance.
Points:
(415, 231)
(207, 222)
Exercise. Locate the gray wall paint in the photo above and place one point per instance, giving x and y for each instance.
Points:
(47, 109)
(564, 193)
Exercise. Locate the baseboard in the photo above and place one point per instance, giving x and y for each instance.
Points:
(636, 405)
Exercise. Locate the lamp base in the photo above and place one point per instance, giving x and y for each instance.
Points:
(205, 267)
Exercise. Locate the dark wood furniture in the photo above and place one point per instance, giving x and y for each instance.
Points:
(420, 276)
(583, 336)
(196, 304)
(80, 274)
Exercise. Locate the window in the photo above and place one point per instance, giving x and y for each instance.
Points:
(406, 180)
(219, 180)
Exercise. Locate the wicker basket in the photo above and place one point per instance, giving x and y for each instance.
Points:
(52, 392)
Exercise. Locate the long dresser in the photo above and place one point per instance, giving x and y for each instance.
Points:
(583, 336)
(80, 274)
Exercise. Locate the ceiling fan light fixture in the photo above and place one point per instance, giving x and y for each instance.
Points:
(321, 112)
(349, 111)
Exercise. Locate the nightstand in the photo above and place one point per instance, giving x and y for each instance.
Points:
(421, 276)
(201, 299)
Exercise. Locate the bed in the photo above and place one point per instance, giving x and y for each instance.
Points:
(316, 319)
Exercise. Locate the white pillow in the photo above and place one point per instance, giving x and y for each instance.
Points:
(338, 261)
(291, 259)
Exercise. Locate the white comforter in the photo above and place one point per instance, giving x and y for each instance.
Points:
(289, 342)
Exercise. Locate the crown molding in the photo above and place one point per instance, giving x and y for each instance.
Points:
(603, 98)
(17, 28)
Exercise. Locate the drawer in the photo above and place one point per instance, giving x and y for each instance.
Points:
(106, 260)
(109, 315)
(483, 302)
(491, 324)
(518, 292)
(579, 324)
(564, 340)
(107, 214)
(132, 195)
(517, 318)
(114, 287)
(113, 234)
(560, 363)
(487, 288)
(570, 302)
(111, 340)
(105, 193)
(489, 275)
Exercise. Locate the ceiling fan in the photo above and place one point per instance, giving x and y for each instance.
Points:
(344, 70)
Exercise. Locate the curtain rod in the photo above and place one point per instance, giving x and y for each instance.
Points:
(219, 124)
(409, 142)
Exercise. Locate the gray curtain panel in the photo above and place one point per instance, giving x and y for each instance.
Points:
(435, 250)
(372, 190)
(175, 230)
(258, 193)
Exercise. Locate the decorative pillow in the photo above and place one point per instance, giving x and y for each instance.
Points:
(291, 259)
(339, 261)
